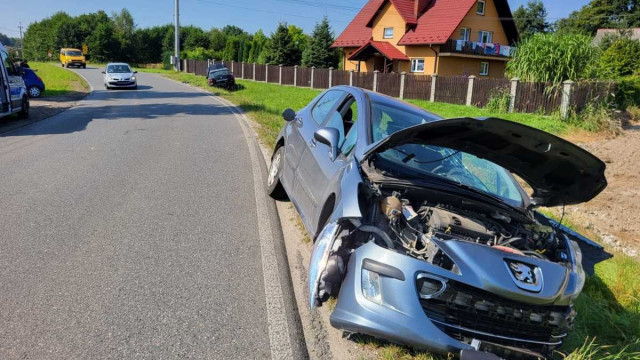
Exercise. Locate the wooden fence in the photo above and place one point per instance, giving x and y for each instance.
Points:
(523, 96)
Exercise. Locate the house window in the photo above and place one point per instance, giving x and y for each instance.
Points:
(484, 68)
(417, 65)
(465, 34)
(481, 4)
(485, 37)
(388, 33)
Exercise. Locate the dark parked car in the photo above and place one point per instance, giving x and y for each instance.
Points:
(222, 78)
(422, 231)
(215, 67)
(35, 85)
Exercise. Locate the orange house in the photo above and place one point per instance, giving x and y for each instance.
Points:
(445, 37)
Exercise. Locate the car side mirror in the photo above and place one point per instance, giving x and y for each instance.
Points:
(135, 72)
(330, 137)
(288, 115)
(103, 71)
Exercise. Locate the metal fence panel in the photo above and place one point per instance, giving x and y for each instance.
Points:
(389, 84)
(201, 68)
(417, 87)
(452, 89)
(287, 75)
(260, 72)
(274, 73)
(248, 71)
(363, 80)
(586, 92)
(538, 97)
(304, 77)
(340, 77)
(485, 89)
(320, 78)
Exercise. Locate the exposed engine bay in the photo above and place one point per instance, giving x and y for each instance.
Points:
(412, 224)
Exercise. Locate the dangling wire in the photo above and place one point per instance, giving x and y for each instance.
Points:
(561, 218)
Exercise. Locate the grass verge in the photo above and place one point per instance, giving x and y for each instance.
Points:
(58, 80)
(608, 322)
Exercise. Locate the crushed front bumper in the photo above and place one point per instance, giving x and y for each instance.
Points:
(405, 318)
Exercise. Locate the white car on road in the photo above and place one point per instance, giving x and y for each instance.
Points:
(119, 75)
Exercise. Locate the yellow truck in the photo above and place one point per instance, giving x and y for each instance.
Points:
(72, 57)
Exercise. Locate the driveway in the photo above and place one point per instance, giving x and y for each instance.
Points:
(134, 225)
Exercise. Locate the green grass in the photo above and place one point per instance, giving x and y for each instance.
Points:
(608, 321)
(58, 80)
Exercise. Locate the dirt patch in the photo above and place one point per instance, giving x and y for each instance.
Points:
(44, 107)
(615, 214)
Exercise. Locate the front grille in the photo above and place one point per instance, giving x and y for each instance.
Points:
(465, 313)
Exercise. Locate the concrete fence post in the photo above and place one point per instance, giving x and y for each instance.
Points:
(312, 71)
(186, 65)
(472, 80)
(232, 63)
(403, 75)
(375, 80)
(280, 74)
(434, 80)
(330, 76)
(254, 71)
(513, 93)
(242, 70)
(567, 93)
(350, 77)
(222, 61)
(295, 75)
(266, 73)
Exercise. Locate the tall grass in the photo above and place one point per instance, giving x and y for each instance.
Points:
(57, 80)
(553, 58)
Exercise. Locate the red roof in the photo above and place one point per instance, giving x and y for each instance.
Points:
(435, 26)
(438, 23)
(357, 33)
(383, 47)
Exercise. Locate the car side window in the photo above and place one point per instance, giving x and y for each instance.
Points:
(350, 117)
(327, 103)
(8, 64)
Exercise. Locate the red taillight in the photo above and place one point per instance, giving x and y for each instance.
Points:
(39, 79)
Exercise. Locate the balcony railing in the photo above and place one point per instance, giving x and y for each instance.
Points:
(477, 48)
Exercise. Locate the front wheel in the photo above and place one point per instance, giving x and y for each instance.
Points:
(84, 66)
(34, 91)
(274, 186)
(24, 113)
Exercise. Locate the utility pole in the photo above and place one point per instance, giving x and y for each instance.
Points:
(176, 66)
(21, 40)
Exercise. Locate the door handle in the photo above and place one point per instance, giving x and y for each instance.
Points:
(298, 121)
(312, 143)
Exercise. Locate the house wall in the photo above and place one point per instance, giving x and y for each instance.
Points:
(451, 66)
(490, 21)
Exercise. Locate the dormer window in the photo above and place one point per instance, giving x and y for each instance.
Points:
(481, 4)
(388, 33)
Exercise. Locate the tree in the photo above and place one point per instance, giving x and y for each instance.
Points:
(281, 49)
(531, 19)
(217, 39)
(8, 41)
(232, 30)
(620, 59)
(104, 44)
(258, 44)
(319, 52)
(553, 58)
(299, 38)
(601, 14)
(124, 28)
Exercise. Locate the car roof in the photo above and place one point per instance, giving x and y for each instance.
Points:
(70, 49)
(118, 64)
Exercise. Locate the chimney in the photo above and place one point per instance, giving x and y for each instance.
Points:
(419, 6)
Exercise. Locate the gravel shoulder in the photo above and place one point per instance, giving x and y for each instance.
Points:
(614, 215)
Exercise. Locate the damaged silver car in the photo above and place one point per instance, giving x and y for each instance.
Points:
(422, 230)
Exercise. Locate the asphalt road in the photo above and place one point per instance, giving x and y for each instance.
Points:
(131, 226)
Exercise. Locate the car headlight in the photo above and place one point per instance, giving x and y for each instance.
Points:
(133, 78)
(371, 286)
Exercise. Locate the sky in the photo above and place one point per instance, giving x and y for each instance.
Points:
(250, 15)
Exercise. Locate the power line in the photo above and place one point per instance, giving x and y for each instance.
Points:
(264, 11)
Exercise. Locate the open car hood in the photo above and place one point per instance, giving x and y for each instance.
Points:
(558, 171)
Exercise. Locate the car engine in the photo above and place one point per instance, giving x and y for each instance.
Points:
(411, 226)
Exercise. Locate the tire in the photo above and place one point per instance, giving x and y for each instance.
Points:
(274, 186)
(34, 91)
(24, 113)
(84, 66)
(135, 87)
(62, 64)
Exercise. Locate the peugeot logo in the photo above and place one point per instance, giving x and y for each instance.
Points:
(525, 276)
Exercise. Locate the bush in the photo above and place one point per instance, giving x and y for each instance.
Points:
(596, 116)
(499, 101)
(627, 92)
(620, 59)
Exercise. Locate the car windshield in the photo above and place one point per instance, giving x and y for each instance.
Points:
(219, 72)
(452, 165)
(118, 69)
(74, 53)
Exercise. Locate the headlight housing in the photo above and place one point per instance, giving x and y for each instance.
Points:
(133, 78)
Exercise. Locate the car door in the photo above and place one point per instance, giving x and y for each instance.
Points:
(317, 169)
(14, 80)
(4, 91)
(304, 128)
